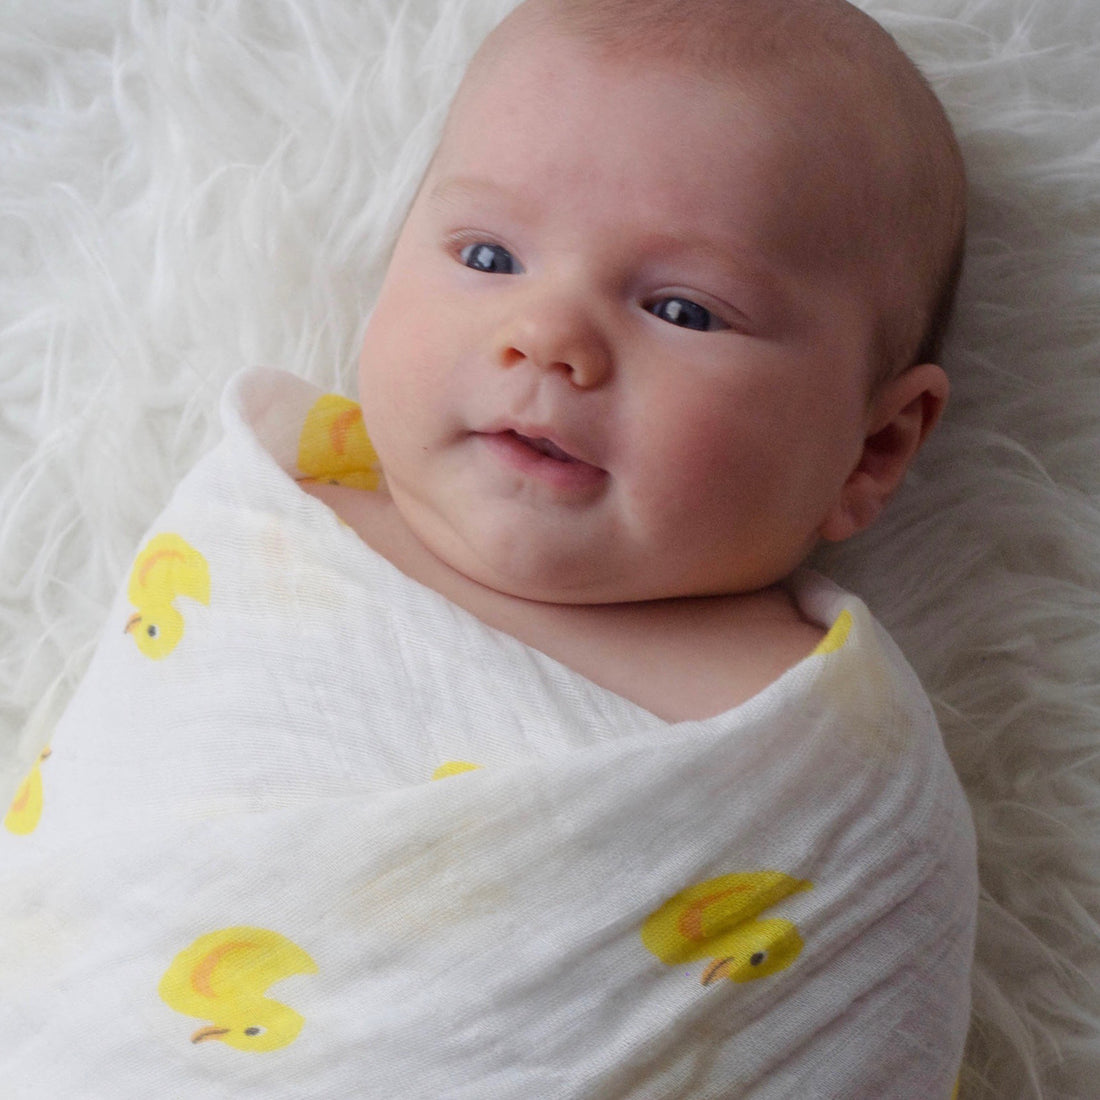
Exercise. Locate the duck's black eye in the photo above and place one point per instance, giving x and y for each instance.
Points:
(491, 258)
(151, 630)
(686, 314)
(254, 1030)
(757, 958)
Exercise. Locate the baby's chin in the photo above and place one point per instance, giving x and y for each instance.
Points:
(511, 559)
(514, 568)
(580, 579)
(532, 575)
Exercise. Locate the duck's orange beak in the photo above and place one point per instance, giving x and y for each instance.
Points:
(205, 1033)
(131, 622)
(719, 968)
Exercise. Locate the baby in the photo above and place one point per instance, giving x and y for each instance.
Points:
(665, 313)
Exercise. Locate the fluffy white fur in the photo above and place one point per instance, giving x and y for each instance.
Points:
(188, 188)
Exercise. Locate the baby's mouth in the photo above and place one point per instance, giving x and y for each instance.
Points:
(544, 460)
(544, 447)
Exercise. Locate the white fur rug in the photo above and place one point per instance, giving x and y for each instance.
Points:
(188, 188)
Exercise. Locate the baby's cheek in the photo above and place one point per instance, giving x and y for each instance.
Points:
(690, 444)
(674, 474)
(389, 379)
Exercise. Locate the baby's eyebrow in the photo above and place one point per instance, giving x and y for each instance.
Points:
(732, 256)
(451, 190)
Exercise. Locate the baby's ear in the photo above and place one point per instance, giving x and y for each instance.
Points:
(900, 416)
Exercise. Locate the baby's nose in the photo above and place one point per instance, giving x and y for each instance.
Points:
(557, 336)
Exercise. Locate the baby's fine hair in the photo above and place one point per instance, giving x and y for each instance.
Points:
(912, 221)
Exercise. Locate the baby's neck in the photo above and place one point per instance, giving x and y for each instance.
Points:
(678, 658)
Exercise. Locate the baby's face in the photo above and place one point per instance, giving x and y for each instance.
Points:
(609, 361)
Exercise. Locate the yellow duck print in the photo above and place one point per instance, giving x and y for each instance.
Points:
(334, 447)
(167, 568)
(222, 977)
(838, 633)
(718, 920)
(454, 767)
(26, 808)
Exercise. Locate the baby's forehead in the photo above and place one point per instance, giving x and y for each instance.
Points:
(810, 64)
(779, 122)
(813, 89)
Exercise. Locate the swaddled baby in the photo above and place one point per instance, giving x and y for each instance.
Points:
(488, 739)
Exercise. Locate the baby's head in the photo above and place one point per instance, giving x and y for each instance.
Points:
(665, 309)
(876, 162)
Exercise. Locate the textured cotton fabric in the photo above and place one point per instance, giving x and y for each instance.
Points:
(308, 829)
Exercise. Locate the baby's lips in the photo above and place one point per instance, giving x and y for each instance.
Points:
(537, 457)
(543, 440)
(547, 447)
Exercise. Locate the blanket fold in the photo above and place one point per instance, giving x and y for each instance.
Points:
(308, 829)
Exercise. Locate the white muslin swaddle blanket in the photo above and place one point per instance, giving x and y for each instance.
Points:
(309, 830)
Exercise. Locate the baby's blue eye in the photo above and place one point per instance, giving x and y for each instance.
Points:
(492, 258)
(679, 311)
